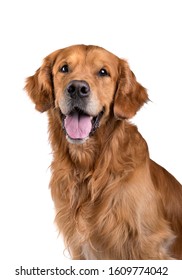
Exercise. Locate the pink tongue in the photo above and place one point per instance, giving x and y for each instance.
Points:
(78, 126)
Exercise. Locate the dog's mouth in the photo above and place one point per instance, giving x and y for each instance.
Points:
(79, 126)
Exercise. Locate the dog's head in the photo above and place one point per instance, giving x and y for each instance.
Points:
(88, 84)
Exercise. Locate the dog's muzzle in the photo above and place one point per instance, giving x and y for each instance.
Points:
(78, 124)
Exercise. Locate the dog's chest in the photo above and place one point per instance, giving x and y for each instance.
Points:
(96, 224)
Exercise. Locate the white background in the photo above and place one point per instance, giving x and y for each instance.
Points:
(146, 33)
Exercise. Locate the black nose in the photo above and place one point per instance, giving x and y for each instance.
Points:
(78, 88)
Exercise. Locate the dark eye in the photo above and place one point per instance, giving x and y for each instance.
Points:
(64, 69)
(103, 72)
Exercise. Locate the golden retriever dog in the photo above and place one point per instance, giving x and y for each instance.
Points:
(112, 201)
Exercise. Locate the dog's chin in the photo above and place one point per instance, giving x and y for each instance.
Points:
(76, 141)
(79, 126)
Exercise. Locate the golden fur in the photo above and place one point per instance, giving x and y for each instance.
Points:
(112, 201)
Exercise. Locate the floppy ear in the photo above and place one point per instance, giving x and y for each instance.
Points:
(130, 95)
(40, 86)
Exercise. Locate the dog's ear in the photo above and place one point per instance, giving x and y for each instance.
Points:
(130, 95)
(40, 86)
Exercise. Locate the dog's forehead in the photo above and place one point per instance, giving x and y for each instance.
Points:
(100, 55)
(87, 55)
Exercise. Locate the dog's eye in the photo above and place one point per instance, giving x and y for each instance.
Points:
(103, 72)
(64, 69)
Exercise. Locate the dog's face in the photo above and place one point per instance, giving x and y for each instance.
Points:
(88, 84)
(84, 82)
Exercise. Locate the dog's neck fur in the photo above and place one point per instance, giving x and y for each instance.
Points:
(84, 160)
